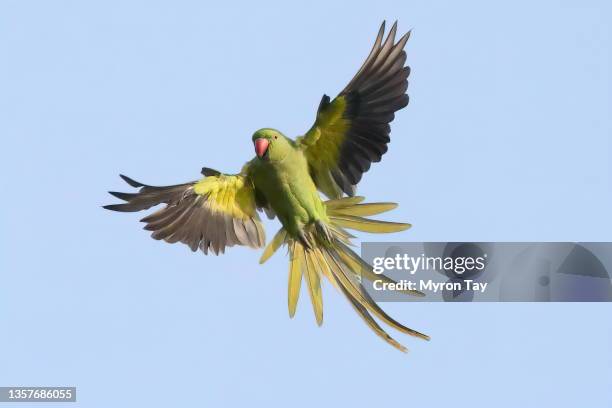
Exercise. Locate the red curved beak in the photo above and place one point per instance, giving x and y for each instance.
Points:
(261, 146)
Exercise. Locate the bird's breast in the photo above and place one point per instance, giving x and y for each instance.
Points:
(290, 190)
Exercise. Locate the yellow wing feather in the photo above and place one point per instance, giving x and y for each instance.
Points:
(230, 194)
(216, 212)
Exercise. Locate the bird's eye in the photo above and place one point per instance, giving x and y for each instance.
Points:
(275, 137)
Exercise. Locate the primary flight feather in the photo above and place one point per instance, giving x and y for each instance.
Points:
(284, 180)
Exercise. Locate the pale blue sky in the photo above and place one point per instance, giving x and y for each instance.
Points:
(507, 137)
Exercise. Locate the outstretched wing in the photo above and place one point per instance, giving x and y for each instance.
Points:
(216, 212)
(352, 131)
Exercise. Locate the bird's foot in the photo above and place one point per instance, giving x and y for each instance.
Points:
(323, 231)
(305, 239)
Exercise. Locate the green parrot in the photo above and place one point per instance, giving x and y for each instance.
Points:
(284, 180)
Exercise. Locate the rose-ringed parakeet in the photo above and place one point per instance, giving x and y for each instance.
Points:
(284, 180)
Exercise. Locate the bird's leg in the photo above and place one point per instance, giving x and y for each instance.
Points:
(323, 232)
(304, 239)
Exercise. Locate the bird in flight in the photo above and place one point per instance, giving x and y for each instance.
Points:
(284, 179)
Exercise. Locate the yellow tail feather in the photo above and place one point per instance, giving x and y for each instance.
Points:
(343, 202)
(367, 225)
(313, 279)
(363, 209)
(341, 265)
(295, 275)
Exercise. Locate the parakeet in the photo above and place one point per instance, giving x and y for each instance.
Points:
(285, 179)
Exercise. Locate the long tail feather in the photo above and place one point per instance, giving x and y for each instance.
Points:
(363, 313)
(343, 202)
(313, 278)
(367, 225)
(295, 275)
(366, 300)
(354, 296)
(325, 250)
(363, 209)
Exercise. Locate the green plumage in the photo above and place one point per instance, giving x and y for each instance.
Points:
(285, 180)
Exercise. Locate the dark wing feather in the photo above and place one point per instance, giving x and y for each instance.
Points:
(216, 212)
(352, 131)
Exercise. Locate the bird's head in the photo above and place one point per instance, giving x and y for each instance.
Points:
(271, 145)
